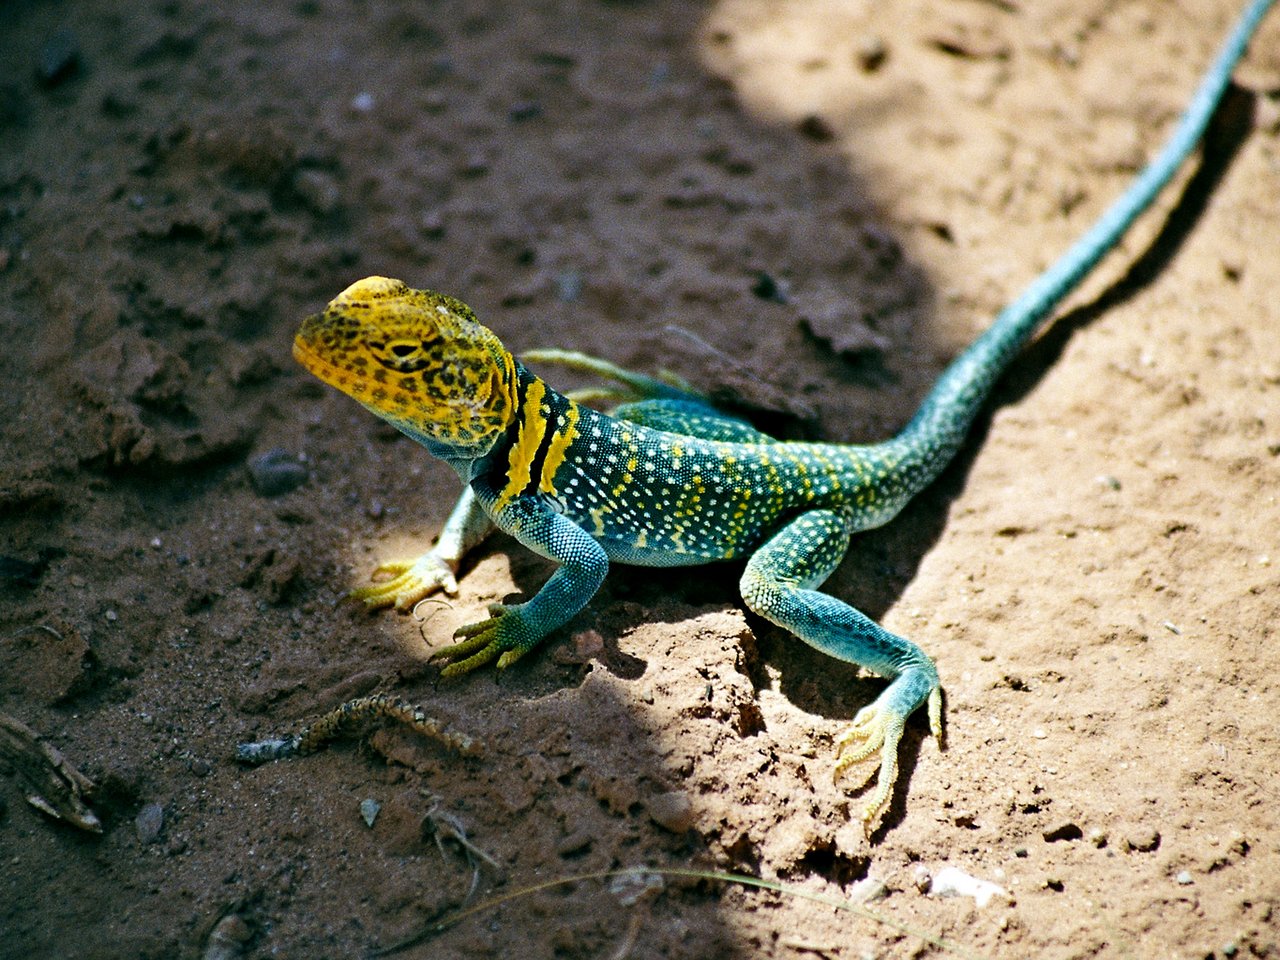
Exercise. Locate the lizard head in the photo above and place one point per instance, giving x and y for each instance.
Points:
(418, 359)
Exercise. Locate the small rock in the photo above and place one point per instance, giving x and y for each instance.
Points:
(672, 811)
(1142, 839)
(872, 53)
(1184, 878)
(574, 844)
(369, 811)
(1098, 837)
(228, 938)
(276, 472)
(149, 822)
(201, 767)
(769, 287)
(1237, 843)
(868, 889)
(59, 59)
(817, 128)
(1063, 831)
(953, 882)
(632, 886)
(922, 879)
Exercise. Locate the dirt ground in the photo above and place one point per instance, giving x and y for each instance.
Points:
(831, 198)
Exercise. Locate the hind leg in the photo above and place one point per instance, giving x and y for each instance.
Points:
(779, 584)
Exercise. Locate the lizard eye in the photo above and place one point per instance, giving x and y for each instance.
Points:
(403, 355)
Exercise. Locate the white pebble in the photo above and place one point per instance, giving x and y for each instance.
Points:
(953, 882)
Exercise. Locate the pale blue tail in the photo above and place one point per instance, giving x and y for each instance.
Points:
(928, 443)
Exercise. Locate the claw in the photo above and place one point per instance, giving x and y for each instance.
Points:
(877, 728)
(481, 643)
(874, 730)
(410, 582)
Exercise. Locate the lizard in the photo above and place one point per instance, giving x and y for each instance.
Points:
(667, 479)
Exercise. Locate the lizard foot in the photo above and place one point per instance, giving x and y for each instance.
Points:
(504, 636)
(877, 729)
(409, 582)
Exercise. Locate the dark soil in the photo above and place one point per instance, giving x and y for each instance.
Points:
(805, 207)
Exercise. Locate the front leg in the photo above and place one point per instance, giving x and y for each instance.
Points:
(413, 580)
(512, 631)
(777, 584)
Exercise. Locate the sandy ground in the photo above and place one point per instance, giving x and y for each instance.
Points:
(829, 198)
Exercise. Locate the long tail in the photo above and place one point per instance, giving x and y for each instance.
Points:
(934, 435)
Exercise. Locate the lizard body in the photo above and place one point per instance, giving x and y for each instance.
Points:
(667, 479)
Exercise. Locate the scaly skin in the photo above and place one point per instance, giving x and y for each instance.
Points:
(668, 480)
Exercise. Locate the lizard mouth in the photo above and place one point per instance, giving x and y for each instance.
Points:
(321, 368)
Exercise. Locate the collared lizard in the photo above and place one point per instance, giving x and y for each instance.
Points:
(667, 479)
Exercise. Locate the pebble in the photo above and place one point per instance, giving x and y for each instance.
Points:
(1142, 839)
(632, 886)
(868, 889)
(672, 811)
(817, 128)
(228, 938)
(921, 878)
(369, 811)
(953, 882)
(201, 767)
(1063, 831)
(769, 287)
(1184, 877)
(149, 822)
(872, 53)
(276, 472)
(575, 843)
(1237, 843)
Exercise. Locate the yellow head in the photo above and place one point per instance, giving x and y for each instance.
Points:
(419, 360)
